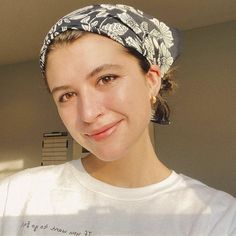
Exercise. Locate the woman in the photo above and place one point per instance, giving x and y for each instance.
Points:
(106, 66)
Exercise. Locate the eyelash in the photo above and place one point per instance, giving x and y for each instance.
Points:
(104, 80)
(63, 97)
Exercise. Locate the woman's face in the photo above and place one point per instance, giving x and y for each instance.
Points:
(101, 94)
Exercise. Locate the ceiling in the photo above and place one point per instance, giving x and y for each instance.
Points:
(24, 23)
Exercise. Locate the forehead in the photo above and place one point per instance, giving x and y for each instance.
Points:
(91, 43)
(86, 53)
(88, 47)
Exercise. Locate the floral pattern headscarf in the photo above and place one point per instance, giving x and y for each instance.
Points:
(132, 28)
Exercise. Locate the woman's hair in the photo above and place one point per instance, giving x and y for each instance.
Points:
(161, 109)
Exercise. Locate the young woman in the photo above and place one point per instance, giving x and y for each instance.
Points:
(107, 67)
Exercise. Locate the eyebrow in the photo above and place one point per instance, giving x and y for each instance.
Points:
(101, 68)
(91, 74)
(63, 87)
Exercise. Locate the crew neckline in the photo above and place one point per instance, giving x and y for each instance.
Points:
(120, 193)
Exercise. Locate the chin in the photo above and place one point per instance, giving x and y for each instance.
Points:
(110, 153)
(108, 156)
(107, 159)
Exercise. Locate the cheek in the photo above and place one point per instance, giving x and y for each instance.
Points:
(129, 91)
(134, 96)
(131, 100)
(119, 99)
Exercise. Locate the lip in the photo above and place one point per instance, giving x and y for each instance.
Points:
(103, 132)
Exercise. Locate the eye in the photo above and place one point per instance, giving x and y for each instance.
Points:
(107, 79)
(66, 97)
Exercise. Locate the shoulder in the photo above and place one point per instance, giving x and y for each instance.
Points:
(34, 184)
(218, 207)
(33, 175)
(204, 191)
(29, 180)
(196, 193)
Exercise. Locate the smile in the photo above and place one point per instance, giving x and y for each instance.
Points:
(104, 132)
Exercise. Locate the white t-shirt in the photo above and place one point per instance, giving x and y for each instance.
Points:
(66, 200)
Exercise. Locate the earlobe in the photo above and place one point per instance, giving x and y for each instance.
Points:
(154, 79)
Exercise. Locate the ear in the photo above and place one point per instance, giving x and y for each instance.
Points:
(153, 79)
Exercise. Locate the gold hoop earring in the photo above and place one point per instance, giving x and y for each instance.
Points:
(153, 99)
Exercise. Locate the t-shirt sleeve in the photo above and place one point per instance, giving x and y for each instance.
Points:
(232, 231)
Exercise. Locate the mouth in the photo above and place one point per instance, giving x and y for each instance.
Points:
(103, 132)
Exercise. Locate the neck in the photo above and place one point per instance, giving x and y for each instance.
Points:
(140, 167)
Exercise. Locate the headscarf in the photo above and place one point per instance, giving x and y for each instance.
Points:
(130, 27)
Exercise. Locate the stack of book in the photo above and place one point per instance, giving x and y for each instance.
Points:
(55, 148)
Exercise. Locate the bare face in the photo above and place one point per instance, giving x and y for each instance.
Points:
(102, 96)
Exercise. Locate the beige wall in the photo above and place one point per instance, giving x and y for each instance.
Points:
(26, 111)
(201, 140)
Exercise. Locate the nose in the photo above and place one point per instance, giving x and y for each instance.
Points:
(90, 107)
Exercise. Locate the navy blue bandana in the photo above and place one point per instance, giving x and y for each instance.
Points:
(132, 28)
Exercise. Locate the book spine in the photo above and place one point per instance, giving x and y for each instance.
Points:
(54, 149)
(51, 162)
(54, 158)
(53, 154)
(55, 134)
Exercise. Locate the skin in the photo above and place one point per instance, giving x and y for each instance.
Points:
(95, 83)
